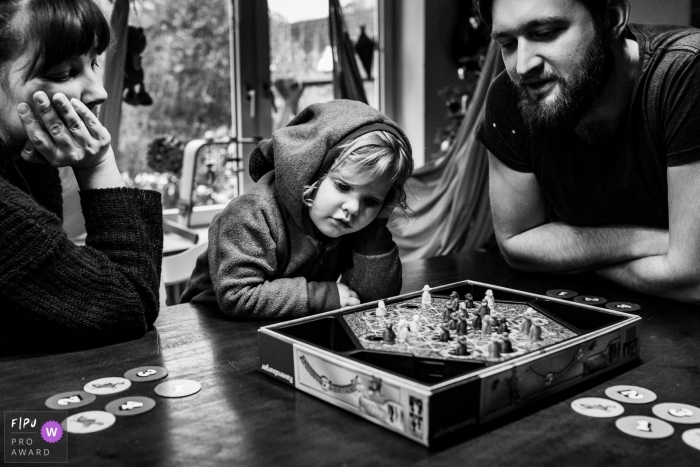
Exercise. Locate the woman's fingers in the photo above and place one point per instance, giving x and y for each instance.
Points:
(72, 120)
(40, 139)
(30, 154)
(93, 125)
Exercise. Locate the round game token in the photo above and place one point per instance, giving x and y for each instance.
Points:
(591, 300)
(623, 306)
(597, 407)
(109, 385)
(70, 400)
(178, 388)
(644, 427)
(677, 413)
(88, 422)
(144, 374)
(128, 406)
(630, 394)
(692, 438)
(561, 293)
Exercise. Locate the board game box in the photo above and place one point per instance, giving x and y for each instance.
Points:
(445, 360)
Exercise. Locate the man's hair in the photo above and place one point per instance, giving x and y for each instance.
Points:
(57, 30)
(378, 155)
(596, 8)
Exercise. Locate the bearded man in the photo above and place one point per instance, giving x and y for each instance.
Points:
(593, 131)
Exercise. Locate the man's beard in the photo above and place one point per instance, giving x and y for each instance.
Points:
(576, 95)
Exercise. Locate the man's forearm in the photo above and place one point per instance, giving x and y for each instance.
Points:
(655, 275)
(556, 247)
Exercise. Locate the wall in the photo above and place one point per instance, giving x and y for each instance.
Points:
(661, 11)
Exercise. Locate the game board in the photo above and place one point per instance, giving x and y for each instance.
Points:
(369, 329)
(426, 381)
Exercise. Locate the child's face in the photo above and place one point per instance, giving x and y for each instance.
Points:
(342, 207)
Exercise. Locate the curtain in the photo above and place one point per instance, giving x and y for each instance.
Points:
(111, 111)
(347, 82)
(449, 199)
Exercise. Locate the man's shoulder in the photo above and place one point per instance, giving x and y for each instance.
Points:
(660, 38)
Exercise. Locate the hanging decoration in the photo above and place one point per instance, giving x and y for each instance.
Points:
(133, 69)
(347, 82)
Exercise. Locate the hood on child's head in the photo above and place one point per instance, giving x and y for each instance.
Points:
(307, 147)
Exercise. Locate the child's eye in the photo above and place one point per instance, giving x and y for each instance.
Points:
(342, 186)
(372, 202)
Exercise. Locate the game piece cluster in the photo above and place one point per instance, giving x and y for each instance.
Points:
(642, 426)
(98, 420)
(464, 329)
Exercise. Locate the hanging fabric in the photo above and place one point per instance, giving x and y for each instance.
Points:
(449, 199)
(347, 82)
(111, 111)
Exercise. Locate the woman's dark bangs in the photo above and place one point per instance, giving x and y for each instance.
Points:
(65, 29)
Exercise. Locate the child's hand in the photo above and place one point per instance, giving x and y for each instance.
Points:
(71, 135)
(348, 297)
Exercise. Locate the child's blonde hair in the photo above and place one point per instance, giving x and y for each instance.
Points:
(376, 155)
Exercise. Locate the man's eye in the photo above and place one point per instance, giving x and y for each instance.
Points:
(507, 45)
(544, 35)
(94, 63)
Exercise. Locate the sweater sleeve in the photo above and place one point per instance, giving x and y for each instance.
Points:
(45, 185)
(53, 290)
(247, 247)
(376, 269)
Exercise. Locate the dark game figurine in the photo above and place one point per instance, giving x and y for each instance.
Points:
(494, 350)
(446, 313)
(461, 348)
(445, 333)
(477, 322)
(462, 325)
(389, 334)
(503, 327)
(506, 345)
(455, 319)
(469, 301)
(454, 301)
(483, 309)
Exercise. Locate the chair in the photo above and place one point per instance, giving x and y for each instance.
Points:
(176, 271)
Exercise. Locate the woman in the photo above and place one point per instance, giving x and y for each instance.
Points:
(54, 294)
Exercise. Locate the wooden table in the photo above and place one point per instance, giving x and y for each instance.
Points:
(242, 417)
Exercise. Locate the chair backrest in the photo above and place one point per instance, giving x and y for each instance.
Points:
(178, 268)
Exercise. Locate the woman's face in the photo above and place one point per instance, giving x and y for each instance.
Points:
(75, 77)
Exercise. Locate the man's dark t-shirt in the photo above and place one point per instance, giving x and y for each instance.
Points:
(621, 180)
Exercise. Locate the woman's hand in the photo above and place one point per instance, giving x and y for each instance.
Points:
(65, 133)
(68, 134)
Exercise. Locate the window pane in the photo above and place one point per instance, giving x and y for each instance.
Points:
(301, 63)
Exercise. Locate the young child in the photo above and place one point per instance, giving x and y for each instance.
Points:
(277, 252)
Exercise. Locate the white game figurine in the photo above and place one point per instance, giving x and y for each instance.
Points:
(381, 309)
(489, 299)
(402, 333)
(426, 299)
(415, 324)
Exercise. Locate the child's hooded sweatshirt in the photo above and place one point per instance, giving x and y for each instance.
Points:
(265, 258)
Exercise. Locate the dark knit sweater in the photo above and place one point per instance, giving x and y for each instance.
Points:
(55, 294)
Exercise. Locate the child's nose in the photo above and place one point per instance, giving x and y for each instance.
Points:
(351, 206)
